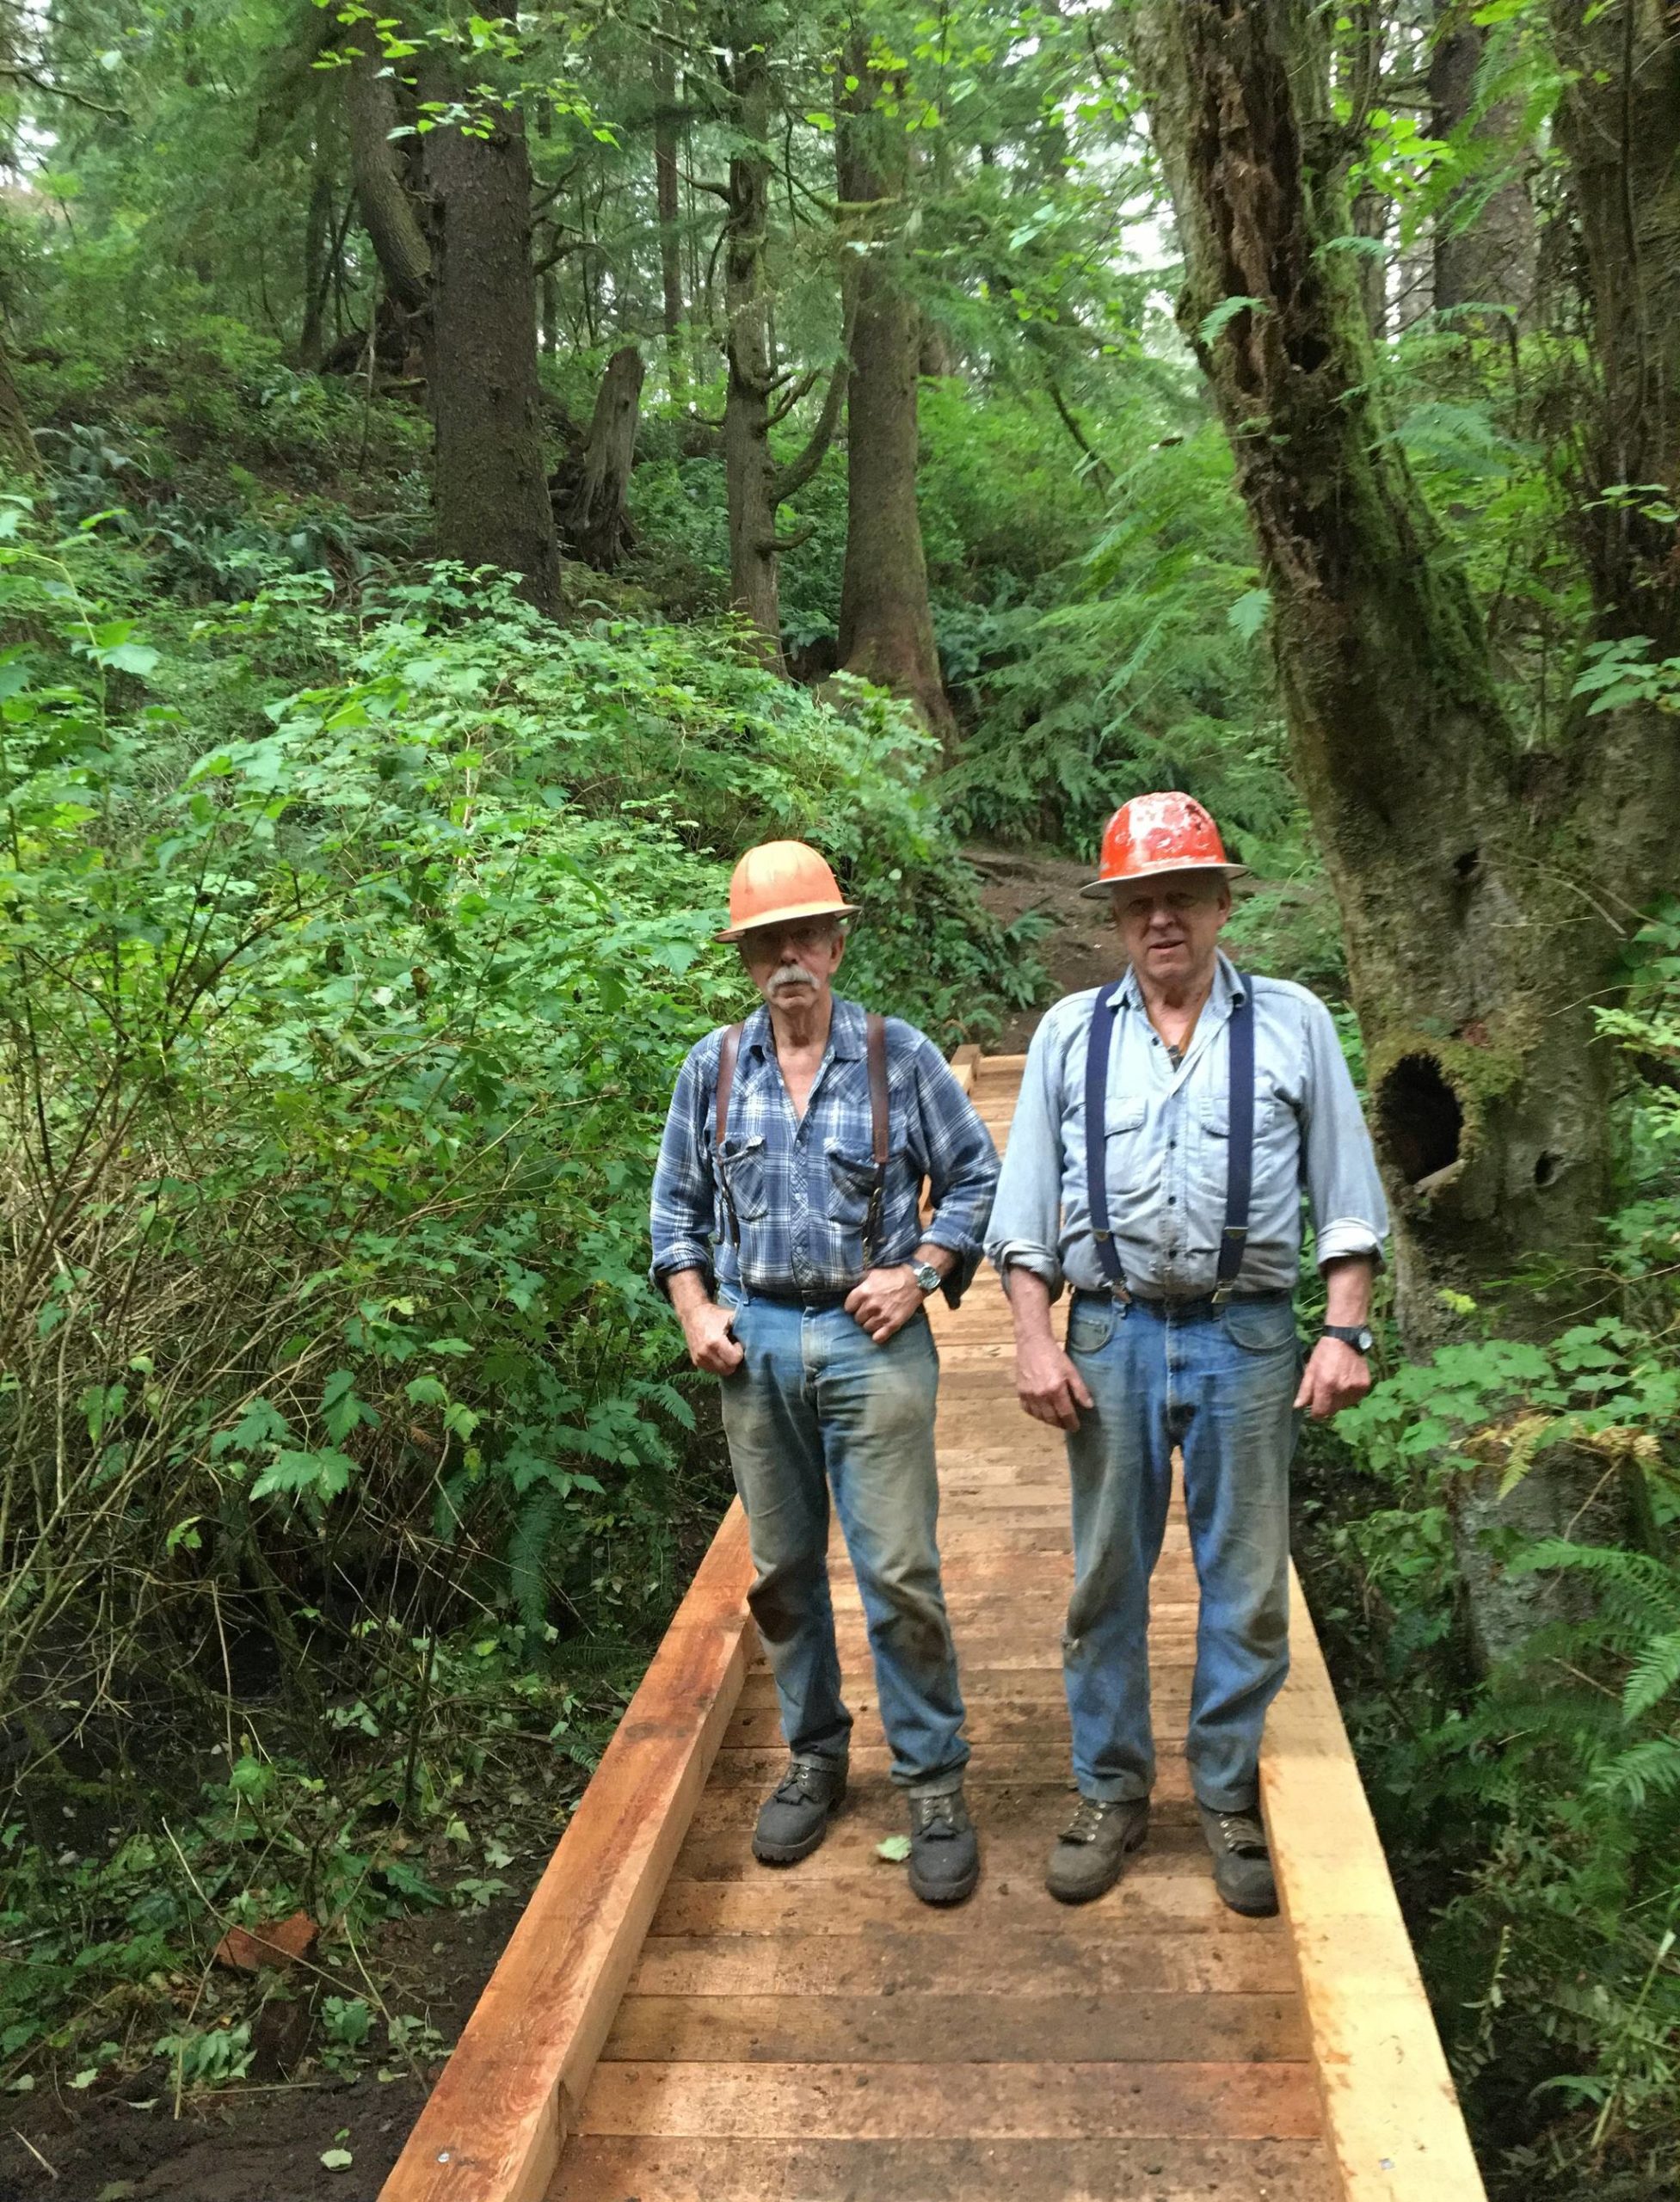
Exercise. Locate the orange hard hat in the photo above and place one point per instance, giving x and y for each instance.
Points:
(1153, 834)
(778, 882)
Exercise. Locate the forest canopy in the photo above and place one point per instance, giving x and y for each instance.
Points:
(465, 478)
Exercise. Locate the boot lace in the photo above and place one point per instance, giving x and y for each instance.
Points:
(1243, 1835)
(1088, 1816)
(939, 1816)
(798, 1783)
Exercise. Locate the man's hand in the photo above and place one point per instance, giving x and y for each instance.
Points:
(884, 1302)
(711, 1343)
(704, 1324)
(1336, 1376)
(1047, 1383)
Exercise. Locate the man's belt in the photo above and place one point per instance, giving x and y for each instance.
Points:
(1240, 1144)
(816, 1301)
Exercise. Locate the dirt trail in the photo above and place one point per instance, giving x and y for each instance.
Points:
(1080, 949)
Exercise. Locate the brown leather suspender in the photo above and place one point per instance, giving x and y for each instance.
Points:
(875, 1052)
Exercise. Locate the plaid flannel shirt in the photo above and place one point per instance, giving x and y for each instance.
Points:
(801, 1188)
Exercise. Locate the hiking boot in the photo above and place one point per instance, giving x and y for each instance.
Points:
(945, 1855)
(1242, 1860)
(1094, 1847)
(794, 1818)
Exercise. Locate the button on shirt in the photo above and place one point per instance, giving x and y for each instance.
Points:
(1167, 1145)
(802, 1185)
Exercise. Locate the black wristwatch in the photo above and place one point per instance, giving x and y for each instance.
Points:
(1359, 1337)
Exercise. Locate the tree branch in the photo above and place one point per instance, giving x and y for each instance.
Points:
(14, 72)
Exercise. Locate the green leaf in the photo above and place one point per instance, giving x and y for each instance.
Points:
(321, 1475)
(895, 1850)
(1248, 614)
(337, 2159)
(1213, 324)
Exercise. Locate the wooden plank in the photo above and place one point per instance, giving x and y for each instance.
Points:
(1393, 2122)
(895, 2102)
(1057, 1958)
(950, 2029)
(658, 2169)
(965, 1066)
(493, 2127)
(878, 1898)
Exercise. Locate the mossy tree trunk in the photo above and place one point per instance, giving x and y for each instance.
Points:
(489, 481)
(1485, 241)
(592, 498)
(886, 622)
(758, 396)
(1486, 887)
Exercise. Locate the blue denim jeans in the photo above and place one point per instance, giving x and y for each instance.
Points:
(817, 1405)
(1220, 1384)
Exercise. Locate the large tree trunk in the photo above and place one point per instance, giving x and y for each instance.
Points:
(591, 498)
(319, 254)
(886, 624)
(1485, 243)
(490, 482)
(1481, 890)
(749, 471)
(385, 174)
(665, 194)
(18, 449)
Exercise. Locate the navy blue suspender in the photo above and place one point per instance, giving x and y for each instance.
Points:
(1240, 1146)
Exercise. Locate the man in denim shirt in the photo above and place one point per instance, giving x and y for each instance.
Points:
(1161, 1356)
(799, 1271)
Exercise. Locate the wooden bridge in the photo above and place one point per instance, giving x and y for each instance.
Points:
(672, 2022)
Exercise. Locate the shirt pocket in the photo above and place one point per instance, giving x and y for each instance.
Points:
(745, 1170)
(853, 1179)
(1276, 1134)
(1126, 1162)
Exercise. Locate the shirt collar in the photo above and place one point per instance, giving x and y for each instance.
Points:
(1227, 990)
(846, 1032)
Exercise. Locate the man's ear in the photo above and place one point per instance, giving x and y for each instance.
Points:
(840, 947)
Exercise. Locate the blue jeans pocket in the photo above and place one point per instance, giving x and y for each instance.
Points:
(1090, 1329)
(1262, 1326)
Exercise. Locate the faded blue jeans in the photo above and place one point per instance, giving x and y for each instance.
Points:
(1220, 1383)
(816, 1403)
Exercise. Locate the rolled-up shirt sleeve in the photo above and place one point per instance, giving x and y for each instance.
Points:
(1026, 1216)
(684, 1196)
(1344, 1191)
(961, 1167)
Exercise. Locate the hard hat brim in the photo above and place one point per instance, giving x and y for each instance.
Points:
(789, 913)
(1097, 888)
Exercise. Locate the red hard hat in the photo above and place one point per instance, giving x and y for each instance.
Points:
(1154, 834)
(778, 882)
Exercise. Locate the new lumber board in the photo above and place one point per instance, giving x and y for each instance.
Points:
(1392, 2120)
(494, 2126)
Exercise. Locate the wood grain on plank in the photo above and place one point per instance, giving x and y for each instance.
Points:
(493, 2127)
(893, 2102)
(955, 2029)
(878, 1898)
(1392, 2118)
(1058, 1956)
(611, 2168)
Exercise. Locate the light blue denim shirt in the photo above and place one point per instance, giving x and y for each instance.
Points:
(1167, 1148)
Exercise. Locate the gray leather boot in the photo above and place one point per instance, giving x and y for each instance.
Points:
(794, 1818)
(1094, 1847)
(1242, 1860)
(944, 1854)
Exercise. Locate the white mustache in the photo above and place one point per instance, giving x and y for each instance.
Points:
(789, 975)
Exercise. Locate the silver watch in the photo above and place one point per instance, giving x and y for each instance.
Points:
(926, 1276)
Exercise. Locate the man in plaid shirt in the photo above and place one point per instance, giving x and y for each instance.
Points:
(799, 1266)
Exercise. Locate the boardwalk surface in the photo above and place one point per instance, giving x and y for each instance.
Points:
(817, 2033)
(672, 2022)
